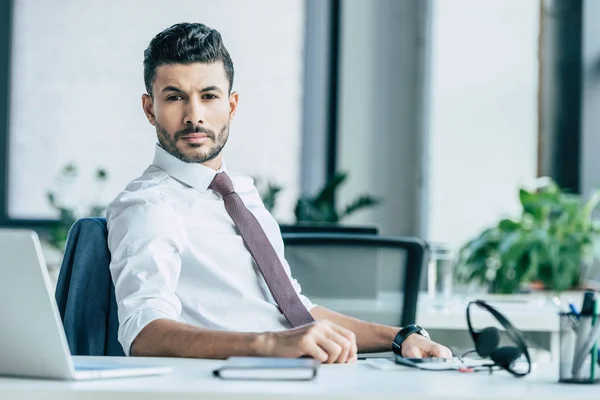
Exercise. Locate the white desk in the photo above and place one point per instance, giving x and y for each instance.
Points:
(192, 379)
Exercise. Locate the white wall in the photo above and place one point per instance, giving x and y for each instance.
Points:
(483, 113)
(77, 82)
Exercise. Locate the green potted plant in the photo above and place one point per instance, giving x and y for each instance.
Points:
(67, 214)
(268, 192)
(321, 208)
(320, 211)
(550, 243)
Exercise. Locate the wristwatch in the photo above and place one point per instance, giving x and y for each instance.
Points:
(404, 333)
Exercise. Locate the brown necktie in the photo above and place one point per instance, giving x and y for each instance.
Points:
(263, 253)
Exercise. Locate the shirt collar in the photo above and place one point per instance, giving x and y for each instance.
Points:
(195, 175)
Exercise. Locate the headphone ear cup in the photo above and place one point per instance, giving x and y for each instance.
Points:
(504, 356)
(487, 341)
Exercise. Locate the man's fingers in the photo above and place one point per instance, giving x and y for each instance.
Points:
(425, 349)
(411, 351)
(332, 348)
(437, 350)
(350, 336)
(319, 354)
(345, 345)
(315, 351)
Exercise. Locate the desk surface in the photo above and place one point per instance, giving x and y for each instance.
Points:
(193, 378)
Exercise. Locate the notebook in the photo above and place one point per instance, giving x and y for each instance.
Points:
(265, 368)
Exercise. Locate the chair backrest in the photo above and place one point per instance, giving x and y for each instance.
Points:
(85, 293)
(376, 278)
(327, 228)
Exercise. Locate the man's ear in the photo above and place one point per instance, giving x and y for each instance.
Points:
(148, 107)
(233, 103)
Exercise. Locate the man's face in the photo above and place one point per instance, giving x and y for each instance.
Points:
(191, 109)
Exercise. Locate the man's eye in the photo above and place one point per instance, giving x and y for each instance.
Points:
(209, 97)
(174, 98)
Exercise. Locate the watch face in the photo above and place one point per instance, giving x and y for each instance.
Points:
(424, 333)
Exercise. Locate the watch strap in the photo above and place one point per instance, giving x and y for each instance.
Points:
(402, 335)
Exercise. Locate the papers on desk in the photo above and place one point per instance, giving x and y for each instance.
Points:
(450, 365)
(437, 365)
(385, 364)
(390, 365)
(264, 368)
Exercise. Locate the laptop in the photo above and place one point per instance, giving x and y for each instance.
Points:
(32, 337)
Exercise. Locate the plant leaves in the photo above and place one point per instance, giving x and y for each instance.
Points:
(552, 240)
(269, 197)
(321, 208)
(363, 201)
(101, 174)
(327, 194)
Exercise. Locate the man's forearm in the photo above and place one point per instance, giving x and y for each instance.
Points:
(370, 338)
(166, 338)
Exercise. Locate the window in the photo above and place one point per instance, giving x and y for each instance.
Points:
(483, 113)
(77, 81)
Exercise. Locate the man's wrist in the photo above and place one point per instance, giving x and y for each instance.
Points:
(384, 335)
(261, 344)
(403, 334)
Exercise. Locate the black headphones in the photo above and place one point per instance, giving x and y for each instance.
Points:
(487, 341)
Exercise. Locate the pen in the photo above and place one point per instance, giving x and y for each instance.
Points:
(585, 338)
(580, 353)
(572, 318)
(594, 351)
(573, 324)
(574, 310)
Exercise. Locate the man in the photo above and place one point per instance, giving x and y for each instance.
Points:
(197, 260)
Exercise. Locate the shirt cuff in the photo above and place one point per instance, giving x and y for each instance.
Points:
(131, 328)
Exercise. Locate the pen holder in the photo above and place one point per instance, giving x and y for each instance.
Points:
(578, 349)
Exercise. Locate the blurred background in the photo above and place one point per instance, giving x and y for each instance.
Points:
(414, 117)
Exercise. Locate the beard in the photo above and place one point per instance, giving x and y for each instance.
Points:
(193, 152)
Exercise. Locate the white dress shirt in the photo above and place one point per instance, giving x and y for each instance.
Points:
(176, 253)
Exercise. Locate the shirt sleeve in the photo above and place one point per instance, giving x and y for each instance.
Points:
(144, 238)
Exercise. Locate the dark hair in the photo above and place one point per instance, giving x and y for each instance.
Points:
(185, 43)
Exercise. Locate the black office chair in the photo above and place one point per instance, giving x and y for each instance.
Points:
(340, 269)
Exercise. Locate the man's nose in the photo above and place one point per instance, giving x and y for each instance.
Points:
(195, 113)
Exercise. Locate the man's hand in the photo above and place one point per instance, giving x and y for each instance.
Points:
(323, 341)
(418, 346)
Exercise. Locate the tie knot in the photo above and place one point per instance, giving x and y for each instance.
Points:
(222, 184)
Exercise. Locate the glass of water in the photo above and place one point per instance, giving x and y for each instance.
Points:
(440, 274)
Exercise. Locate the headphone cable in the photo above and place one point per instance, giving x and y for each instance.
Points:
(467, 353)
